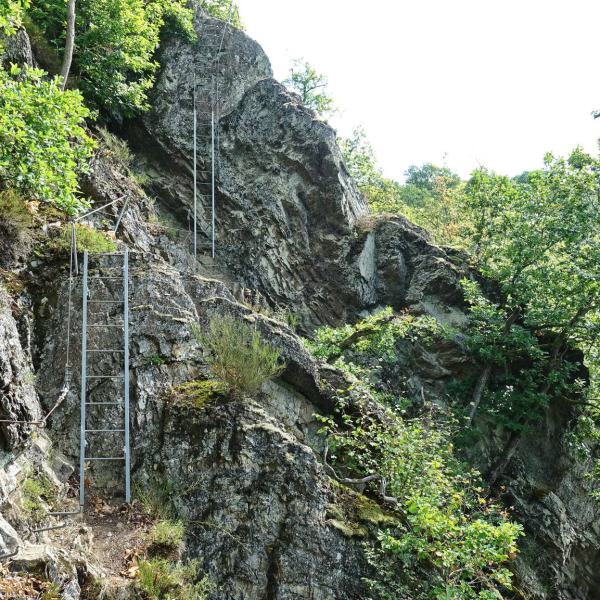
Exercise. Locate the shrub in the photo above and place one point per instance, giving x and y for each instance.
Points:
(11, 13)
(88, 239)
(238, 356)
(220, 10)
(450, 524)
(43, 143)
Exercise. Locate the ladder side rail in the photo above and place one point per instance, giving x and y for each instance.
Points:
(127, 448)
(82, 415)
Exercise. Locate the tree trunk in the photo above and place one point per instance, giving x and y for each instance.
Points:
(487, 371)
(69, 44)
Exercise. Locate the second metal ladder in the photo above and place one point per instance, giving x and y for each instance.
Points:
(90, 331)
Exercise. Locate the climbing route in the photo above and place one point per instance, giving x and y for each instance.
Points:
(206, 114)
(103, 293)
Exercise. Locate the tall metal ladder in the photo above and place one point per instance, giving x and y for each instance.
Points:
(89, 333)
(206, 113)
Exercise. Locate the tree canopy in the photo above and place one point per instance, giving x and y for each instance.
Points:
(115, 45)
(311, 86)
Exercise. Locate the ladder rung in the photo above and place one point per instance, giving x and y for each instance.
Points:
(104, 458)
(102, 350)
(104, 430)
(106, 254)
(104, 376)
(95, 326)
(104, 404)
(103, 277)
(105, 301)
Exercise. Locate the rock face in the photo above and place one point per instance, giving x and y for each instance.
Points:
(290, 221)
(18, 397)
(292, 229)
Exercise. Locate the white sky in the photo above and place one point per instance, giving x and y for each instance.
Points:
(456, 82)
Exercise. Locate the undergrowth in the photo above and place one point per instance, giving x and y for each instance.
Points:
(451, 541)
(88, 239)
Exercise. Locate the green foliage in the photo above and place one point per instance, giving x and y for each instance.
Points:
(165, 538)
(537, 236)
(160, 579)
(11, 15)
(365, 347)
(155, 360)
(37, 491)
(542, 235)
(238, 356)
(14, 214)
(43, 143)
(196, 394)
(310, 86)
(448, 522)
(524, 378)
(220, 9)
(427, 176)
(88, 239)
(430, 197)
(116, 41)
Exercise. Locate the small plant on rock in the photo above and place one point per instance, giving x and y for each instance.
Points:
(196, 394)
(238, 356)
(165, 538)
(88, 239)
(160, 579)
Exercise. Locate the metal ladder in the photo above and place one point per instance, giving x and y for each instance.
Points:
(89, 333)
(206, 112)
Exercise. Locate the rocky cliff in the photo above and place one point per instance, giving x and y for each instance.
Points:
(293, 234)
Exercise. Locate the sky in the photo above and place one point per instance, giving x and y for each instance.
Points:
(460, 83)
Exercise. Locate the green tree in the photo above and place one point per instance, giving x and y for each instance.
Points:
(222, 9)
(430, 199)
(428, 176)
(115, 45)
(43, 142)
(310, 86)
(540, 240)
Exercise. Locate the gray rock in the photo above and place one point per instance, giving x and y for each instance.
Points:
(18, 398)
(17, 49)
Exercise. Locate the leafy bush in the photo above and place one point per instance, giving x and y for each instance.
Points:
(521, 370)
(449, 523)
(11, 13)
(116, 42)
(160, 579)
(238, 356)
(88, 239)
(43, 143)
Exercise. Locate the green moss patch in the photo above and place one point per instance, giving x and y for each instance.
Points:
(197, 393)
